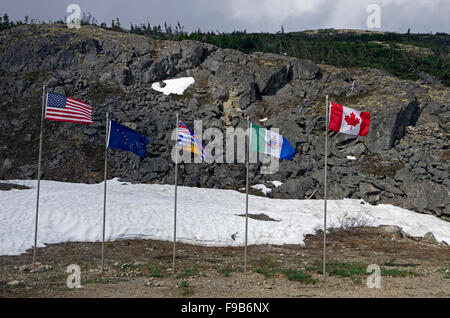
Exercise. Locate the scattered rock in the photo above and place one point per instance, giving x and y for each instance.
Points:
(395, 231)
(13, 283)
(429, 238)
(153, 283)
(41, 268)
(408, 129)
(24, 268)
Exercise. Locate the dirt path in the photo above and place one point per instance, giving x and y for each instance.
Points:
(142, 268)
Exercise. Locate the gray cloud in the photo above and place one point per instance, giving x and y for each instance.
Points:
(252, 15)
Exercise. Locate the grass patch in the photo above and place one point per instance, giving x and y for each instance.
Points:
(299, 275)
(155, 272)
(104, 280)
(378, 166)
(35, 75)
(266, 267)
(189, 272)
(397, 273)
(349, 270)
(389, 263)
(226, 271)
(446, 271)
(353, 271)
(265, 272)
(356, 271)
(187, 289)
(352, 99)
(99, 93)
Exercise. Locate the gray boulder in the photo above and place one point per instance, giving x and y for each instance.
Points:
(388, 126)
(293, 189)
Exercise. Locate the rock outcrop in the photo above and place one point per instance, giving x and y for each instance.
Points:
(403, 160)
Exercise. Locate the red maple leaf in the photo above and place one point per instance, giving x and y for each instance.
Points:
(352, 120)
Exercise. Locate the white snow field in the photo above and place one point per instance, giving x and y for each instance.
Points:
(74, 212)
(174, 86)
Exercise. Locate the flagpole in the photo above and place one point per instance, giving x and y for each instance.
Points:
(104, 192)
(175, 203)
(246, 193)
(39, 174)
(325, 191)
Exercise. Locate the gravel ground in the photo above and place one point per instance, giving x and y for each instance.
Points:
(143, 268)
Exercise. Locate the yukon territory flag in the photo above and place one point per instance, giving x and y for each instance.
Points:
(348, 121)
(270, 143)
(62, 108)
(124, 138)
(188, 141)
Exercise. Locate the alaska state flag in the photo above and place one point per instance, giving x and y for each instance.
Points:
(270, 143)
(124, 138)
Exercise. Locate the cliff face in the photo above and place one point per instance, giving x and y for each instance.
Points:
(403, 160)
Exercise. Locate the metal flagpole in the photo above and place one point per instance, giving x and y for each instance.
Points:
(39, 174)
(104, 193)
(246, 193)
(325, 191)
(175, 207)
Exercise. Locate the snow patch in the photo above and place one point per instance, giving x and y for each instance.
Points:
(71, 212)
(262, 188)
(276, 183)
(174, 86)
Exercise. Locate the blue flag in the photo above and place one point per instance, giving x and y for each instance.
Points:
(124, 138)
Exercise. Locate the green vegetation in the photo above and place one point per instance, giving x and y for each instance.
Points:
(156, 272)
(403, 55)
(189, 272)
(99, 93)
(104, 280)
(389, 263)
(187, 290)
(379, 166)
(446, 271)
(300, 276)
(266, 267)
(397, 273)
(353, 271)
(225, 271)
(356, 271)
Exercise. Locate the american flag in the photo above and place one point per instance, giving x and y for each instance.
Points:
(188, 141)
(62, 108)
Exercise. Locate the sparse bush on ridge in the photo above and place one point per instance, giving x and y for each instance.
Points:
(388, 51)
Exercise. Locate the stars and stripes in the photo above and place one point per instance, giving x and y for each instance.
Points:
(62, 108)
(188, 141)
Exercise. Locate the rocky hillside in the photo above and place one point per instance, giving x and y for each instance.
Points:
(402, 161)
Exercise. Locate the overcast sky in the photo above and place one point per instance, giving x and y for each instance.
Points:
(422, 16)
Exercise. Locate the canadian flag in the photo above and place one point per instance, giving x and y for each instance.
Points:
(348, 121)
